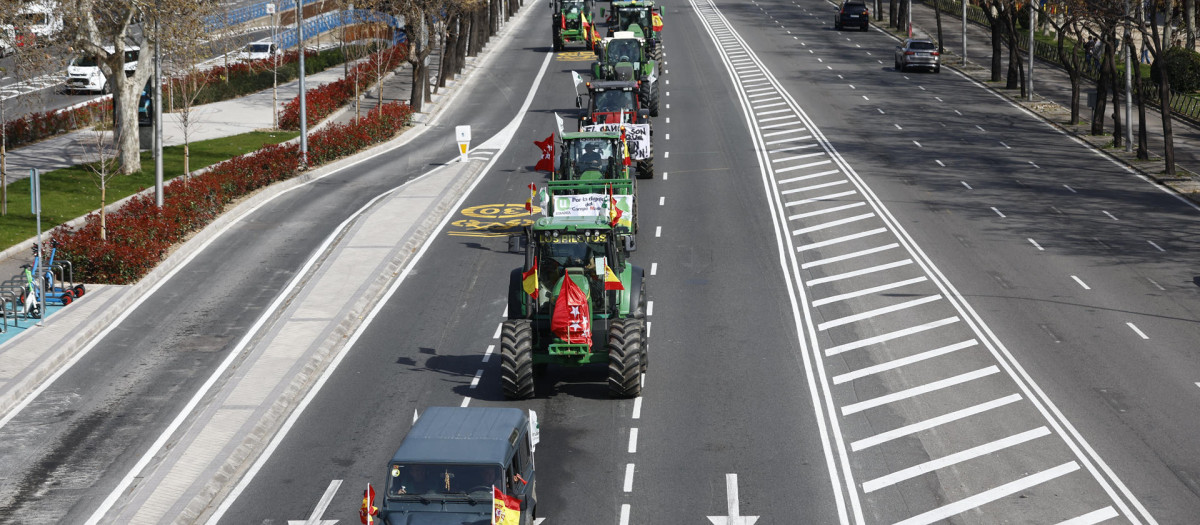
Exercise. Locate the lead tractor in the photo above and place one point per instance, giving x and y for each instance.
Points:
(576, 301)
(569, 20)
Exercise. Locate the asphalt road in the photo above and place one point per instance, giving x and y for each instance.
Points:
(878, 298)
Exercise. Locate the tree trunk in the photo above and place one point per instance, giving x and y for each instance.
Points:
(493, 17)
(103, 195)
(1101, 103)
(937, 14)
(464, 26)
(1164, 95)
(416, 97)
(449, 51)
(997, 50)
(892, 8)
(1143, 150)
(125, 96)
(1189, 14)
(1114, 78)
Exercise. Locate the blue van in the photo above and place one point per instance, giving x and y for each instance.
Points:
(448, 463)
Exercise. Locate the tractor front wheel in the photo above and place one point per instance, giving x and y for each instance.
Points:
(625, 354)
(516, 359)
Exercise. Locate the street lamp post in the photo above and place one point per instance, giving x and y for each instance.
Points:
(303, 107)
(1032, 46)
(158, 124)
(1128, 83)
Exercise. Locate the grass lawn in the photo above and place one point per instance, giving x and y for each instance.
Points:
(71, 192)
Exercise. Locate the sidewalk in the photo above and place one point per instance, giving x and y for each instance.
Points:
(1052, 98)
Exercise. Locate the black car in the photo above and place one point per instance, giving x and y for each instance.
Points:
(853, 13)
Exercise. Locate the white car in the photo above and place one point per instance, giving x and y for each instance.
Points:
(84, 74)
(258, 51)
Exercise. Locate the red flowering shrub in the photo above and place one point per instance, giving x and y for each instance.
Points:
(324, 100)
(37, 126)
(139, 234)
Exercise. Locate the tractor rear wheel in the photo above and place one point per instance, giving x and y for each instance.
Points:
(516, 359)
(653, 99)
(645, 168)
(625, 354)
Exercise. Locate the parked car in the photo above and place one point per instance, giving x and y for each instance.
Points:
(853, 13)
(258, 51)
(146, 105)
(918, 53)
(84, 74)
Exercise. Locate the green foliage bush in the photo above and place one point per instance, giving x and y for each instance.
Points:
(1183, 69)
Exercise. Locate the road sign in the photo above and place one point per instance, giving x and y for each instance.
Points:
(270, 9)
(731, 499)
(463, 135)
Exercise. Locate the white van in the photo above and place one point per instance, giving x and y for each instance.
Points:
(34, 21)
(84, 74)
(258, 51)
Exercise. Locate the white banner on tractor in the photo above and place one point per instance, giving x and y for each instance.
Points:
(638, 136)
(593, 205)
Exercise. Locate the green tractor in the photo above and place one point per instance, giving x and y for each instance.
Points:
(615, 104)
(591, 178)
(568, 21)
(624, 57)
(639, 19)
(576, 301)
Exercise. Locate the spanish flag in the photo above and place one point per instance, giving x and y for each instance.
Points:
(506, 510)
(367, 513)
(625, 144)
(529, 280)
(529, 202)
(614, 212)
(611, 282)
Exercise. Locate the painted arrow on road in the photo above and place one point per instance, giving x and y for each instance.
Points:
(319, 510)
(731, 498)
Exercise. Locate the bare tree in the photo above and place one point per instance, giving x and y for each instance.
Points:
(101, 144)
(1159, 40)
(1070, 25)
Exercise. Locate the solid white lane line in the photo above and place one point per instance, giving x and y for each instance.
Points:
(658, 231)
(1072, 190)
(877, 312)
(624, 514)
(798, 157)
(803, 166)
(790, 148)
(964, 183)
(998, 212)
(933, 422)
(915, 391)
(897, 363)
(498, 328)
(856, 273)
(842, 348)
(832, 224)
(991, 495)
(841, 239)
(1093, 517)
(815, 187)
(939, 163)
(843, 257)
(817, 199)
(487, 354)
(1109, 215)
(826, 210)
(633, 433)
(475, 381)
(793, 139)
(653, 268)
(1081, 283)
(954, 459)
(1036, 245)
(637, 408)
(1139, 332)
(628, 486)
(1156, 246)
(649, 308)
(867, 291)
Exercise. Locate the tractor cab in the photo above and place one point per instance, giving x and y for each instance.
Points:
(613, 102)
(567, 21)
(620, 58)
(636, 17)
(591, 156)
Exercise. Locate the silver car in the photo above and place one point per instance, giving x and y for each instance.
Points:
(920, 53)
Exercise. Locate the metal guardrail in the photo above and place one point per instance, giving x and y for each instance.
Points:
(245, 14)
(334, 19)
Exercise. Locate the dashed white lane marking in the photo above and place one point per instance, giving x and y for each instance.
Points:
(1159, 248)
(662, 200)
(991, 495)
(998, 212)
(932, 422)
(897, 126)
(939, 163)
(649, 308)
(1081, 283)
(917, 143)
(498, 328)
(628, 486)
(1156, 285)
(637, 408)
(633, 433)
(487, 354)
(666, 154)
(1072, 190)
(981, 128)
(668, 136)
(475, 380)
(1036, 245)
(1137, 331)
(880, 110)
(466, 401)
(856, 273)
(624, 514)
(668, 120)
(664, 175)
(958, 112)
(658, 231)
(865, 97)
(897, 363)
(952, 459)
(877, 312)
(851, 86)
(653, 268)
(668, 81)
(847, 256)
(1109, 215)
(1093, 517)
(939, 99)
(1006, 146)
(918, 390)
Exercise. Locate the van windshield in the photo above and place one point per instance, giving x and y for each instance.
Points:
(440, 480)
(88, 61)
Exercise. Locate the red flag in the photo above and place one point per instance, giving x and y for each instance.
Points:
(529, 201)
(571, 320)
(367, 513)
(546, 163)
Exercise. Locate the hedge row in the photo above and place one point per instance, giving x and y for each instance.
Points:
(139, 234)
(322, 101)
(37, 126)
